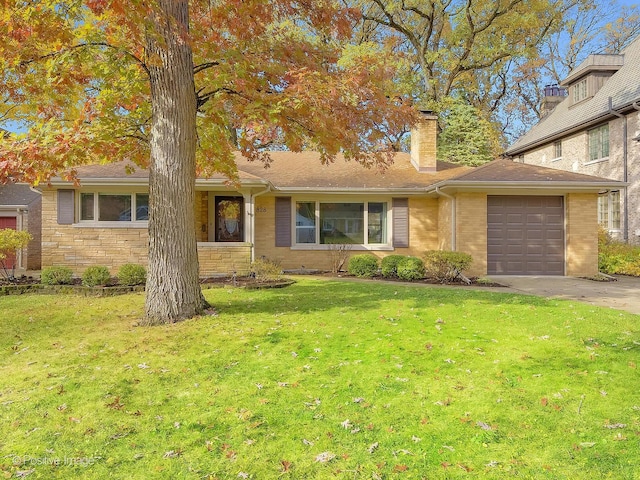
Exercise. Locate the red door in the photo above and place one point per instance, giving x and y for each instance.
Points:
(8, 222)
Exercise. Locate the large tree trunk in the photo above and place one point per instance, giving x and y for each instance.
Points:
(173, 290)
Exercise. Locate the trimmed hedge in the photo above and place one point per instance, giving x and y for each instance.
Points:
(411, 268)
(56, 276)
(446, 266)
(389, 265)
(132, 274)
(363, 265)
(95, 275)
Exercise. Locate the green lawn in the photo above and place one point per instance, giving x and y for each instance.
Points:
(323, 379)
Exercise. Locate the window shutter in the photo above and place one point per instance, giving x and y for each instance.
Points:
(283, 221)
(65, 207)
(400, 222)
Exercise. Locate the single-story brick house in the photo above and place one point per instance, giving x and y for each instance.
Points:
(512, 218)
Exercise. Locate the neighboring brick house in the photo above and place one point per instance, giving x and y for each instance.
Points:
(21, 209)
(596, 130)
(512, 218)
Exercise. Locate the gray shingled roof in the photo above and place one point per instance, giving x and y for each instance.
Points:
(623, 88)
(17, 194)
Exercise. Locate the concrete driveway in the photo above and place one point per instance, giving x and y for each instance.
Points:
(623, 294)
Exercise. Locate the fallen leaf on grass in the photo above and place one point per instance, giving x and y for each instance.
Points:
(24, 473)
(373, 447)
(285, 465)
(325, 457)
(400, 468)
(172, 454)
(615, 425)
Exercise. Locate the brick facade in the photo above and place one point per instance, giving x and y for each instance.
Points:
(581, 234)
(471, 229)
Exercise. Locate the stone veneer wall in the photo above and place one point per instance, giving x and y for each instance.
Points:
(33, 224)
(581, 235)
(423, 225)
(79, 247)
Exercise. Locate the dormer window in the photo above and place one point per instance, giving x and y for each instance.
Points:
(580, 91)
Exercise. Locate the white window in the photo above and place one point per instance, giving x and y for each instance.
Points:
(557, 150)
(361, 223)
(114, 207)
(580, 91)
(609, 210)
(599, 142)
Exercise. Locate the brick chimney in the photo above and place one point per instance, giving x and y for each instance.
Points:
(423, 142)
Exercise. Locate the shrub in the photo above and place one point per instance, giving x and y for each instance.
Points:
(266, 270)
(617, 257)
(56, 276)
(446, 266)
(11, 241)
(95, 275)
(132, 274)
(411, 268)
(363, 265)
(389, 265)
(339, 253)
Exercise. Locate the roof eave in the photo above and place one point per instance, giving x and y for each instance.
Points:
(511, 186)
(351, 191)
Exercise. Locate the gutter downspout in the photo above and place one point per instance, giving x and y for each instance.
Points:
(453, 217)
(625, 173)
(252, 236)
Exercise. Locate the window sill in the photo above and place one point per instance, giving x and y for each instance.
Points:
(139, 224)
(361, 248)
(557, 159)
(598, 160)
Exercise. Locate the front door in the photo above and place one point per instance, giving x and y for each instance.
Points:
(228, 219)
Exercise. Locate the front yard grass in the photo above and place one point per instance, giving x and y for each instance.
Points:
(323, 379)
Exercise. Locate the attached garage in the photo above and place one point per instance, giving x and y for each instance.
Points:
(525, 235)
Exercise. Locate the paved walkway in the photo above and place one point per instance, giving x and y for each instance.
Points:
(623, 294)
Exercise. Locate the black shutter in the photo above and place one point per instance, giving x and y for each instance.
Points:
(65, 207)
(400, 222)
(283, 221)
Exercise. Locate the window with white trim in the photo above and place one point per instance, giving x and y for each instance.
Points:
(599, 142)
(609, 210)
(114, 207)
(557, 150)
(580, 91)
(324, 223)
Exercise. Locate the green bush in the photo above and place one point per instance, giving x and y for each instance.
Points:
(132, 274)
(364, 265)
(56, 276)
(617, 258)
(389, 265)
(95, 275)
(266, 270)
(446, 266)
(411, 268)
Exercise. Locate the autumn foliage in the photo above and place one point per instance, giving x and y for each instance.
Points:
(268, 74)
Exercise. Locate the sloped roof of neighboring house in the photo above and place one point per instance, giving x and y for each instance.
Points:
(300, 172)
(17, 195)
(623, 88)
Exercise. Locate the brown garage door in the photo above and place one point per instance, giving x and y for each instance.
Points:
(525, 235)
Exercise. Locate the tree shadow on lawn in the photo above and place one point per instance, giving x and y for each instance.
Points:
(323, 295)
